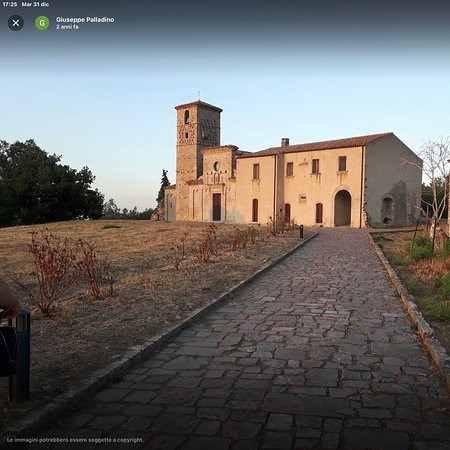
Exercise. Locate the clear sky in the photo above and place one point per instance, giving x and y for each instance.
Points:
(104, 95)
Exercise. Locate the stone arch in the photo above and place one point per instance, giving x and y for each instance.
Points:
(342, 208)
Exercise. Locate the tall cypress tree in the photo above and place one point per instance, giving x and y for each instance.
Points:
(164, 183)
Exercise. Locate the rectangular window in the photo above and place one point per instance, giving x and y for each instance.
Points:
(256, 171)
(315, 166)
(289, 169)
(342, 163)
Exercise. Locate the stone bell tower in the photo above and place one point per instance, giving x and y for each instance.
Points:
(198, 127)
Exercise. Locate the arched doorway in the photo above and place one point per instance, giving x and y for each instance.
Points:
(342, 209)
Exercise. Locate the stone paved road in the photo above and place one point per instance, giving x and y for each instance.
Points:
(318, 353)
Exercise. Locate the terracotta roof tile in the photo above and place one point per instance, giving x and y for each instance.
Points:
(199, 103)
(356, 141)
(221, 147)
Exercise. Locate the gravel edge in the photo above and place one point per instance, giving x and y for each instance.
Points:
(34, 422)
(435, 349)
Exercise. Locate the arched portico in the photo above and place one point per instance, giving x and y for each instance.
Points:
(342, 208)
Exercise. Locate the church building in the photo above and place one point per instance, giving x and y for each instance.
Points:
(358, 181)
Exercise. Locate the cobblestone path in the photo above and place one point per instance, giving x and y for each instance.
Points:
(317, 353)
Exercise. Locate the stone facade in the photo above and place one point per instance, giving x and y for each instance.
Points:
(217, 180)
(198, 127)
(358, 182)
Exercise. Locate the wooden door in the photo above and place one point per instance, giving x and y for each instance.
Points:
(319, 213)
(287, 212)
(255, 210)
(217, 206)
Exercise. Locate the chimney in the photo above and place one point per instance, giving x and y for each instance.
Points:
(285, 142)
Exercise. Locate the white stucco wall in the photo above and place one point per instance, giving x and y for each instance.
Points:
(304, 189)
(170, 204)
(262, 189)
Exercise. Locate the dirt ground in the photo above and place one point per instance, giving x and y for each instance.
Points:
(418, 277)
(149, 295)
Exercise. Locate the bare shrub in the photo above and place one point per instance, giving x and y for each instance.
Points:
(252, 232)
(208, 246)
(273, 225)
(107, 277)
(241, 238)
(211, 230)
(90, 269)
(244, 238)
(291, 225)
(179, 250)
(279, 225)
(265, 232)
(54, 262)
(236, 239)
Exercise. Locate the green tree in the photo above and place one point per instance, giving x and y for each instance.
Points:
(133, 213)
(36, 188)
(164, 183)
(111, 210)
(146, 214)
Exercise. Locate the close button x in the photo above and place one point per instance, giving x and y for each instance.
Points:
(15, 23)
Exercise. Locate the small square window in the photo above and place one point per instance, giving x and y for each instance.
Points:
(342, 163)
(256, 171)
(315, 166)
(289, 169)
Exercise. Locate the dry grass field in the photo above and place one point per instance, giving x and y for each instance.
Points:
(83, 334)
(420, 278)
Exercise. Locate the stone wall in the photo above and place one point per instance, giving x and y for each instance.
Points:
(218, 172)
(202, 130)
(389, 175)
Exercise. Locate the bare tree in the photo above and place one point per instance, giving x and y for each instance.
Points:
(435, 155)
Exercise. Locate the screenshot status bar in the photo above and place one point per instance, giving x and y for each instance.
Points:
(43, 16)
